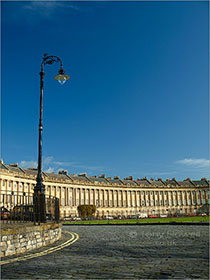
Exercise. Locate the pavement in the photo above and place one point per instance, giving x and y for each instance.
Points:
(126, 252)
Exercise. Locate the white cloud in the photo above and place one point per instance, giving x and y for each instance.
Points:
(50, 170)
(197, 163)
(28, 164)
(47, 9)
(161, 173)
(54, 166)
(47, 160)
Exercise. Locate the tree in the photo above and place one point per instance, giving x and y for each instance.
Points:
(86, 211)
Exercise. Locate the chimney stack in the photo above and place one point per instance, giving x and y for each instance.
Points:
(64, 172)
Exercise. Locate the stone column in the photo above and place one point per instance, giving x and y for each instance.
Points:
(94, 197)
(197, 196)
(117, 194)
(75, 197)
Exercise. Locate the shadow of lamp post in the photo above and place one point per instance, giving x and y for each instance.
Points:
(39, 189)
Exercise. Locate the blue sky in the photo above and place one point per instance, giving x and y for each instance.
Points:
(137, 101)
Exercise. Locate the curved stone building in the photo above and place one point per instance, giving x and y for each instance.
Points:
(112, 196)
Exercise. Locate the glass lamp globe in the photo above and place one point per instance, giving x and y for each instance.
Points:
(61, 77)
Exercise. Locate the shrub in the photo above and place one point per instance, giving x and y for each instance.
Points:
(86, 211)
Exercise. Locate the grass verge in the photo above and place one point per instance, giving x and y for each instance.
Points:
(139, 221)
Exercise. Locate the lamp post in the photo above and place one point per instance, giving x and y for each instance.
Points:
(39, 189)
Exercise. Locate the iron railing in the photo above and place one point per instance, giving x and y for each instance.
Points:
(26, 207)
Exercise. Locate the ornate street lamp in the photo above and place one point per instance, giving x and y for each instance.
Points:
(39, 189)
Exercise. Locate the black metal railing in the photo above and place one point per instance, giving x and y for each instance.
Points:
(28, 207)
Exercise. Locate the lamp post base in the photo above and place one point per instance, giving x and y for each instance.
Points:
(39, 208)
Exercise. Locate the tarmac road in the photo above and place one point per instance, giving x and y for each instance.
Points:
(122, 252)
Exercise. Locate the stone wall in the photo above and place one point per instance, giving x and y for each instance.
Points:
(17, 239)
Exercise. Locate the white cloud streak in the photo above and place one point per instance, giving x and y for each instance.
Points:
(50, 170)
(47, 9)
(51, 165)
(196, 163)
(28, 164)
(49, 162)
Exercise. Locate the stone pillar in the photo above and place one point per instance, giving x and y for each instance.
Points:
(108, 202)
(89, 194)
(117, 194)
(75, 197)
(83, 195)
(94, 197)
(197, 197)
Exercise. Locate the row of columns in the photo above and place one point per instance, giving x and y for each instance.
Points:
(108, 198)
(112, 198)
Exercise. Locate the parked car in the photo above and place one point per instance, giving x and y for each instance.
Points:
(163, 216)
(121, 217)
(142, 215)
(133, 217)
(23, 212)
(109, 218)
(192, 215)
(67, 218)
(5, 213)
(152, 216)
(76, 219)
(50, 217)
(204, 214)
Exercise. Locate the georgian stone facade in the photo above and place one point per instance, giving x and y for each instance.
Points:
(111, 196)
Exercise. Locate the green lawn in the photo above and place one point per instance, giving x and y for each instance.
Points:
(154, 220)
